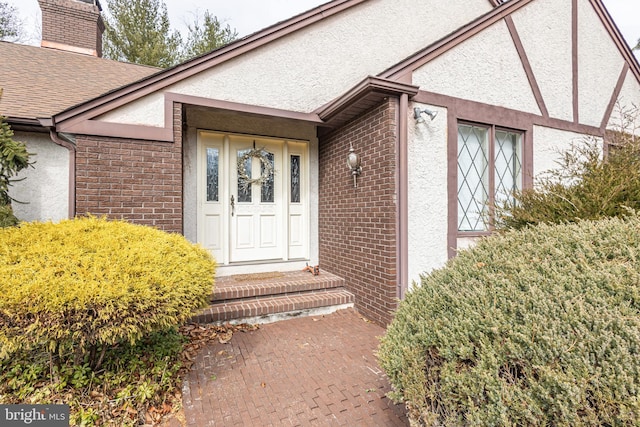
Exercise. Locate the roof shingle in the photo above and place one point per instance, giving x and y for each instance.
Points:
(37, 82)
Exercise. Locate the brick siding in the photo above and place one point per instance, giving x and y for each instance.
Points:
(358, 225)
(73, 23)
(140, 181)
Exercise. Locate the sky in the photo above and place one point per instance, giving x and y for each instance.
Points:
(249, 16)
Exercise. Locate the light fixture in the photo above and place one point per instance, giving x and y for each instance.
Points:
(353, 162)
(418, 112)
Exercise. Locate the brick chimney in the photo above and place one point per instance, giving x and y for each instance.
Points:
(72, 25)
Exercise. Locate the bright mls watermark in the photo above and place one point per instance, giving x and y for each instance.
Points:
(34, 415)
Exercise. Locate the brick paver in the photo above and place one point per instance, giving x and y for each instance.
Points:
(312, 371)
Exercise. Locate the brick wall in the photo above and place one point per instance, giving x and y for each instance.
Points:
(72, 22)
(358, 225)
(140, 181)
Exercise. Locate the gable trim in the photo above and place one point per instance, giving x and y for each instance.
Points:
(619, 41)
(163, 79)
(366, 86)
(402, 71)
(614, 96)
(524, 59)
(81, 126)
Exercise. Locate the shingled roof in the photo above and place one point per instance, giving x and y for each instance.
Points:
(37, 82)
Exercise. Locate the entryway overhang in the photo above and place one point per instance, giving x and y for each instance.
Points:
(365, 95)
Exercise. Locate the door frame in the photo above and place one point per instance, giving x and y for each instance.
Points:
(222, 140)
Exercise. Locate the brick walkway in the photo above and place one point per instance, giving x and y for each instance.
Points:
(301, 372)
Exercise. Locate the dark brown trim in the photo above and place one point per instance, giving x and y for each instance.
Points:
(574, 61)
(501, 116)
(165, 78)
(72, 170)
(460, 110)
(526, 65)
(237, 107)
(614, 97)
(619, 41)
(369, 84)
(118, 130)
(401, 70)
(80, 126)
(527, 166)
(22, 121)
(402, 189)
(452, 182)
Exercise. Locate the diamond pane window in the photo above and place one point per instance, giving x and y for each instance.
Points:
(268, 184)
(489, 171)
(213, 164)
(508, 168)
(244, 189)
(473, 177)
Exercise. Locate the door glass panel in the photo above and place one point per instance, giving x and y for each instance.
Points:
(295, 179)
(244, 187)
(213, 162)
(268, 184)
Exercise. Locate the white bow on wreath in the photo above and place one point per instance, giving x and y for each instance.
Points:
(245, 180)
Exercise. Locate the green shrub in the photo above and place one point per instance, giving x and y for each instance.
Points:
(13, 158)
(532, 327)
(84, 284)
(7, 218)
(586, 185)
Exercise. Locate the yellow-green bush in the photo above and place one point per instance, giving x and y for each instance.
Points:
(88, 283)
(534, 327)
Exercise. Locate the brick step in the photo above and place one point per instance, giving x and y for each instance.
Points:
(268, 297)
(235, 287)
(269, 308)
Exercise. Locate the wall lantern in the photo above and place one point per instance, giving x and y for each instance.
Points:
(353, 162)
(418, 114)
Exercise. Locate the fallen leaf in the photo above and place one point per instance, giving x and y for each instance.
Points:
(226, 337)
(263, 385)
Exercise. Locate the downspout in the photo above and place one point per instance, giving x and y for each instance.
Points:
(402, 190)
(72, 168)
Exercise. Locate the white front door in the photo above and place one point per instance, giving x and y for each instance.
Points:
(265, 219)
(256, 207)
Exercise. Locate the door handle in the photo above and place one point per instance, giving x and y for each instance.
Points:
(233, 205)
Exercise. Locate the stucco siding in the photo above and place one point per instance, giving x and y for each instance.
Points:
(427, 193)
(549, 144)
(599, 65)
(626, 113)
(147, 111)
(309, 68)
(486, 68)
(46, 187)
(544, 26)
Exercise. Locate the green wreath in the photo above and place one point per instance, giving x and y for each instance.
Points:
(244, 179)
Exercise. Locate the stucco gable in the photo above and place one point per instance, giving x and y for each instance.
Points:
(304, 69)
(574, 57)
(485, 68)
